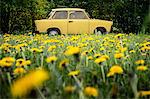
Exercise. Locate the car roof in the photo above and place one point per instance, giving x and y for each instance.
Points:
(68, 9)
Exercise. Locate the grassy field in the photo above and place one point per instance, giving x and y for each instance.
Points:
(75, 66)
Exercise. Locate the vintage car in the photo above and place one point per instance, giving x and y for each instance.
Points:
(72, 21)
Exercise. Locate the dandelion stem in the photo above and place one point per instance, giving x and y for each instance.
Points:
(103, 74)
(42, 60)
(42, 96)
(81, 95)
(9, 78)
(23, 54)
(86, 61)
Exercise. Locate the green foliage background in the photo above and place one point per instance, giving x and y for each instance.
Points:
(127, 15)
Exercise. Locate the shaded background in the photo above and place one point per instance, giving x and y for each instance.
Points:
(128, 15)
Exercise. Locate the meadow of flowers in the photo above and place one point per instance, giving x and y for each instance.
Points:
(75, 66)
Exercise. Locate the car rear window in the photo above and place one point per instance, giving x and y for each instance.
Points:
(77, 15)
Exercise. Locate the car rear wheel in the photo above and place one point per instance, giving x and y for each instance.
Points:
(53, 32)
(100, 31)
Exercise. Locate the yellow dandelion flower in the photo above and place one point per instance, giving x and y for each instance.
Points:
(73, 73)
(145, 48)
(64, 63)
(132, 51)
(90, 57)
(51, 48)
(123, 49)
(100, 60)
(24, 85)
(19, 46)
(28, 62)
(91, 91)
(42, 47)
(84, 53)
(72, 51)
(69, 89)
(19, 70)
(105, 56)
(119, 35)
(142, 68)
(97, 55)
(51, 59)
(21, 62)
(7, 61)
(110, 74)
(144, 93)
(36, 50)
(102, 49)
(118, 55)
(146, 44)
(115, 70)
(140, 62)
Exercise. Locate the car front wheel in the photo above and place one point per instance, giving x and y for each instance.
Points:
(52, 32)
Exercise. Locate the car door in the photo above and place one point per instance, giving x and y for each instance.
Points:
(60, 20)
(78, 22)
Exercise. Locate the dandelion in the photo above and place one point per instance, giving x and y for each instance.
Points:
(90, 57)
(69, 89)
(64, 63)
(97, 55)
(118, 55)
(145, 48)
(51, 48)
(51, 59)
(100, 60)
(91, 91)
(72, 51)
(84, 53)
(28, 62)
(73, 73)
(115, 70)
(102, 49)
(105, 56)
(132, 51)
(142, 68)
(19, 46)
(123, 49)
(36, 50)
(119, 35)
(21, 62)
(19, 70)
(140, 62)
(144, 93)
(24, 85)
(7, 61)
(146, 44)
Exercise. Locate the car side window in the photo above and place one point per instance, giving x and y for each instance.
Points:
(60, 15)
(77, 15)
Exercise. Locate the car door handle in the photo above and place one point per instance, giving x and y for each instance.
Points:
(70, 21)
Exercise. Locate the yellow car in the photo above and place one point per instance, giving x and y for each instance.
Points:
(72, 21)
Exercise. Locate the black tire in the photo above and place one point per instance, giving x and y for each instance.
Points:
(100, 31)
(53, 32)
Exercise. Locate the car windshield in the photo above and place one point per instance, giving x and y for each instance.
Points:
(77, 15)
(60, 15)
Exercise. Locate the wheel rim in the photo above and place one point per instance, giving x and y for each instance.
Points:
(98, 32)
(53, 33)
